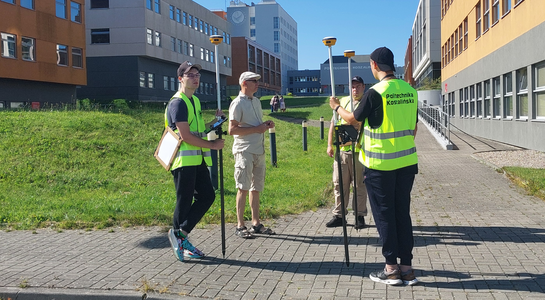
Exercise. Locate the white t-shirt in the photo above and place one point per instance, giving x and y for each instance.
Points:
(248, 113)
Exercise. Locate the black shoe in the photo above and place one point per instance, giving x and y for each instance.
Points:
(361, 223)
(335, 222)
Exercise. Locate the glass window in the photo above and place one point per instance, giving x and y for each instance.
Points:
(472, 101)
(540, 90)
(190, 23)
(100, 36)
(196, 23)
(27, 49)
(505, 6)
(173, 44)
(184, 18)
(479, 100)
(186, 48)
(465, 33)
(60, 8)
(207, 55)
(201, 26)
(252, 20)
(149, 36)
(275, 23)
(487, 98)
(478, 20)
(166, 82)
(178, 15)
(172, 83)
(191, 50)
(212, 56)
(9, 1)
(62, 55)
(171, 12)
(486, 15)
(100, 4)
(157, 39)
(507, 96)
(206, 29)
(179, 48)
(496, 107)
(150, 80)
(75, 12)
(143, 79)
(522, 93)
(228, 39)
(202, 53)
(148, 4)
(8, 45)
(276, 35)
(157, 7)
(27, 4)
(252, 32)
(77, 57)
(495, 11)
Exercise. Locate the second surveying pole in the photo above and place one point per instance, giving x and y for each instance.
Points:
(216, 40)
(348, 54)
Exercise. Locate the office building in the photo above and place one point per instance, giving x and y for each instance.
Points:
(252, 57)
(493, 76)
(304, 82)
(135, 47)
(42, 52)
(426, 38)
(269, 25)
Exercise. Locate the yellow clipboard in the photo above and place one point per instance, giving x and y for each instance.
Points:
(168, 148)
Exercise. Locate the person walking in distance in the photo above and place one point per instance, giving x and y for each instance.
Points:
(247, 127)
(348, 172)
(194, 191)
(388, 111)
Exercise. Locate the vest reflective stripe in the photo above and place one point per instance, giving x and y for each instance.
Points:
(391, 146)
(390, 135)
(193, 152)
(390, 155)
(190, 155)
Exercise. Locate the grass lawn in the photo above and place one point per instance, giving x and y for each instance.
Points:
(95, 169)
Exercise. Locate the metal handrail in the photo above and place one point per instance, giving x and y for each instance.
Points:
(436, 119)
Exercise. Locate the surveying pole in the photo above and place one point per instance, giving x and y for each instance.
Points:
(216, 40)
(330, 41)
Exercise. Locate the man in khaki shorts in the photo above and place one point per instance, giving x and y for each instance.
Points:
(247, 127)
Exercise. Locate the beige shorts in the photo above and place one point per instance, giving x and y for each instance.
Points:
(250, 171)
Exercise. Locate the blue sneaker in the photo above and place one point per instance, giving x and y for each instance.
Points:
(190, 250)
(176, 243)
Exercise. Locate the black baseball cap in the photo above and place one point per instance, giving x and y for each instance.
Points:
(358, 79)
(384, 59)
(186, 66)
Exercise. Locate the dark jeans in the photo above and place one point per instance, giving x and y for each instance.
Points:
(194, 195)
(390, 198)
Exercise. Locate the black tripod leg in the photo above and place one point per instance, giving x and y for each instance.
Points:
(343, 210)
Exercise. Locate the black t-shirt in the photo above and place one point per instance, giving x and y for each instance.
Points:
(177, 112)
(370, 107)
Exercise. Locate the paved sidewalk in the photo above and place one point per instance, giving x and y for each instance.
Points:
(476, 237)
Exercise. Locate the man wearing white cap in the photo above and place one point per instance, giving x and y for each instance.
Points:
(247, 127)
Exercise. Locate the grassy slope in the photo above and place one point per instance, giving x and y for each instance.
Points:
(76, 169)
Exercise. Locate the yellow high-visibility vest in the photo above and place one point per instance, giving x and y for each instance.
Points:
(391, 146)
(189, 155)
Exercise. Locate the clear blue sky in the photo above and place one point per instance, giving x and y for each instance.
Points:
(359, 25)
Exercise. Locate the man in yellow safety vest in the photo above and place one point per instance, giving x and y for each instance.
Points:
(389, 112)
(194, 191)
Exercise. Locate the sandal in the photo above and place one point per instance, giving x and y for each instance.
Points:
(260, 229)
(244, 233)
